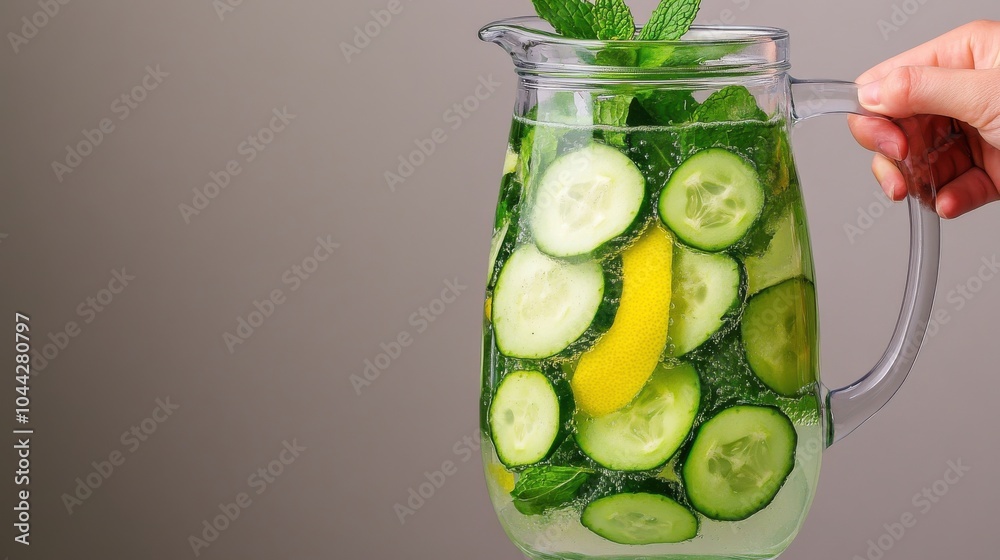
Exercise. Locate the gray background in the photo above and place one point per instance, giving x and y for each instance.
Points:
(323, 175)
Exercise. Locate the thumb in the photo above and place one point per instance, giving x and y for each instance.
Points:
(967, 95)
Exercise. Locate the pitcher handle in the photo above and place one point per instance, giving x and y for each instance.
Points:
(849, 407)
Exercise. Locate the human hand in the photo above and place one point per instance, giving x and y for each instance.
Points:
(957, 76)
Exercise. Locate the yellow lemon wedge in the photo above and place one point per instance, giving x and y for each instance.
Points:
(613, 372)
(503, 477)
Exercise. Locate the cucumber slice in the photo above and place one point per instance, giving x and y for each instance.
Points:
(706, 288)
(646, 433)
(779, 332)
(541, 306)
(586, 199)
(640, 519)
(787, 255)
(738, 462)
(524, 418)
(712, 199)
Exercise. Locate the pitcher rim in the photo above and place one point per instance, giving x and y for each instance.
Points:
(752, 34)
(536, 50)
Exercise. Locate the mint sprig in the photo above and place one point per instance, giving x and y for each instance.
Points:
(613, 20)
(671, 20)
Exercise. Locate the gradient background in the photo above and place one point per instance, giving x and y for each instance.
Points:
(323, 175)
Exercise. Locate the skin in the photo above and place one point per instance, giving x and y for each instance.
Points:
(957, 77)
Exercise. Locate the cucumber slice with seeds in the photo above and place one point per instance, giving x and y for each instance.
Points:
(738, 462)
(585, 200)
(706, 287)
(646, 433)
(712, 199)
(542, 306)
(640, 518)
(524, 418)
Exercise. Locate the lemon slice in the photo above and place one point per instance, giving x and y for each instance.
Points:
(503, 478)
(613, 372)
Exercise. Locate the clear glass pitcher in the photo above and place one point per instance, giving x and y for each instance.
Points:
(650, 372)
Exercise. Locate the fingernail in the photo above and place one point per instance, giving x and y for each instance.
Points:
(890, 149)
(868, 94)
(891, 189)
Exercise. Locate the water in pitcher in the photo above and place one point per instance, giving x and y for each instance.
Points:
(650, 349)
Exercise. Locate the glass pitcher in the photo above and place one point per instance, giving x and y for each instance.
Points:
(650, 371)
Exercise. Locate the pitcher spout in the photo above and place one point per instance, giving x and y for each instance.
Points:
(506, 34)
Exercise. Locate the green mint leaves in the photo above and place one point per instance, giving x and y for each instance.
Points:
(613, 111)
(731, 103)
(539, 489)
(570, 18)
(671, 20)
(668, 107)
(613, 20)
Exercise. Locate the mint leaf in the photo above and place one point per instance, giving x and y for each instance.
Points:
(656, 56)
(570, 18)
(540, 144)
(671, 20)
(618, 58)
(667, 55)
(613, 20)
(613, 111)
(724, 370)
(730, 104)
(539, 149)
(658, 154)
(757, 240)
(667, 107)
(539, 489)
(803, 410)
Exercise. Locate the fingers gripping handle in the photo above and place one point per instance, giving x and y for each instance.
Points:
(849, 407)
